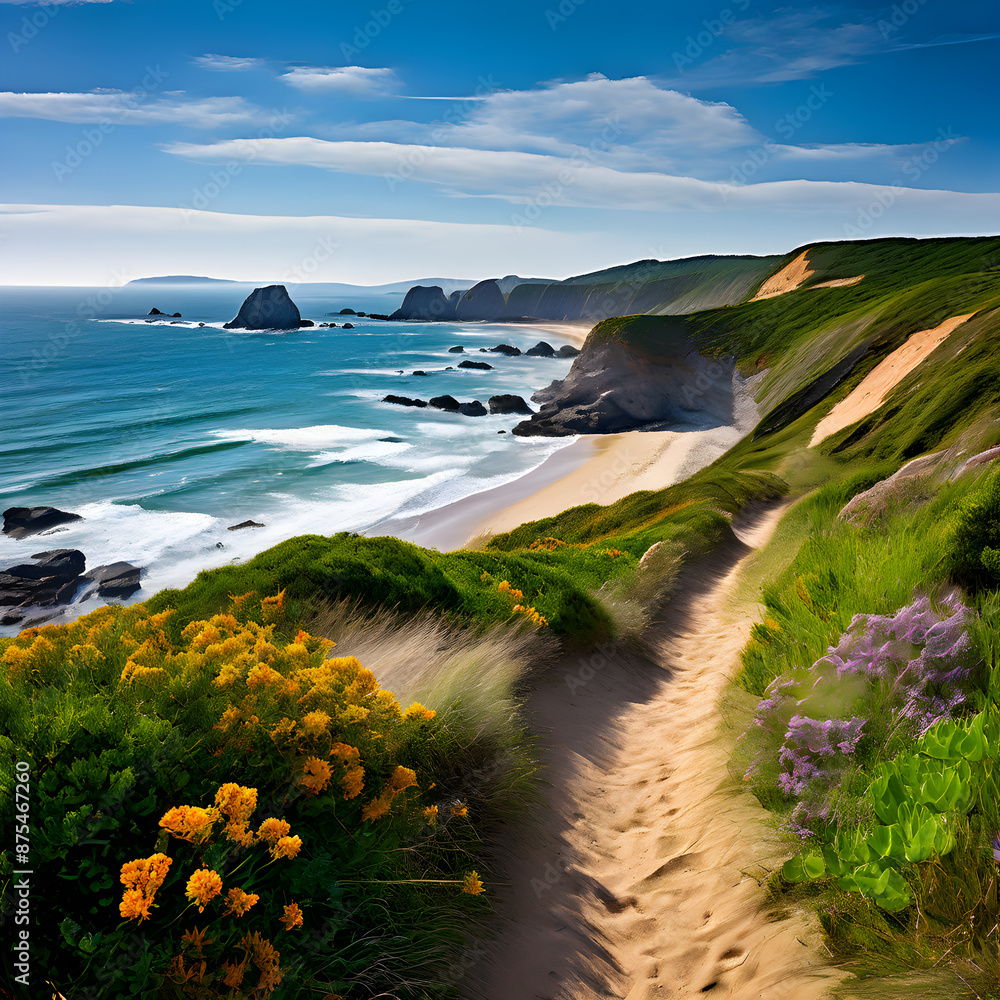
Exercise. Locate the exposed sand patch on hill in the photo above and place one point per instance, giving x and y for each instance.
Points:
(639, 878)
(839, 282)
(789, 278)
(871, 393)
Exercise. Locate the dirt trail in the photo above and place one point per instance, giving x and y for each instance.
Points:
(639, 878)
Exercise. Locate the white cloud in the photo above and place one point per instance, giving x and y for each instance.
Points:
(121, 107)
(355, 81)
(533, 178)
(228, 64)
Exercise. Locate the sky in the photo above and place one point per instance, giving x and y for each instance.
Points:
(396, 139)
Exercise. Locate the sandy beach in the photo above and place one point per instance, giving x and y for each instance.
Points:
(592, 468)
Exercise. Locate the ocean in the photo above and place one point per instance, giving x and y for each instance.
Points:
(162, 434)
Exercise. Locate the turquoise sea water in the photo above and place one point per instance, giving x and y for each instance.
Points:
(164, 433)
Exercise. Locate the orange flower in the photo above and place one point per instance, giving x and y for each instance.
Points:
(141, 879)
(272, 830)
(191, 823)
(287, 847)
(402, 778)
(471, 884)
(316, 723)
(353, 782)
(234, 973)
(431, 815)
(315, 776)
(203, 886)
(292, 917)
(238, 902)
(460, 809)
(417, 711)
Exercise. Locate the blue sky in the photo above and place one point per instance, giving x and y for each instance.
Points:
(394, 139)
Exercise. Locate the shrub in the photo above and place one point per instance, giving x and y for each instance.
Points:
(973, 553)
(279, 773)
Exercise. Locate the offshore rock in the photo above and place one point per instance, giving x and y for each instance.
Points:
(425, 302)
(508, 403)
(267, 308)
(484, 300)
(120, 579)
(404, 400)
(476, 364)
(541, 350)
(19, 522)
(473, 409)
(445, 403)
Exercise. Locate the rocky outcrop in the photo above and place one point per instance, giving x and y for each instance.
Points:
(541, 350)
(456, 350)
(473, 409)
(347, 326)
(568, 351)
(244, 524)
(613, 387)
(120, 579)
(404, 400)
(484, 301)
(267, 308)
(425, 302)
(306, 322)
(505, 349)
(476, 364)
(19, 522)
(445, 403)
(508, 403)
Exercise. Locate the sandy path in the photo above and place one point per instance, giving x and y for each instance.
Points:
(882, 379)
(639, 878)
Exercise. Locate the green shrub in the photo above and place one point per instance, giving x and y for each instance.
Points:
(973, 542)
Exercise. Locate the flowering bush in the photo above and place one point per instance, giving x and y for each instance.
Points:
(890, 677)
(328, 810)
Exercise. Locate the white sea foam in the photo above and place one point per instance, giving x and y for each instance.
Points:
(303, 438)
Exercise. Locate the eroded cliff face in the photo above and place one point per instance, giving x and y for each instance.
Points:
(612, 387)
(484, 301)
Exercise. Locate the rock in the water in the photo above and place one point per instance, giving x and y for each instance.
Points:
(63, 563)
(175, 315)
(511, 352)
(475, 364)
(419, 372)
(361, 314)
(484, 300)
(19, 522)
(568, 351)
(425, 302)
(267, 308)
(244, 524)
(501, 432)
(508, 403)
(541, 350)
(120, 579)
(473, 409)
(347, 326)
(155, 312)
(404, 400)
(53, 579)
(445, 403)
(306, 322)
(456, 350)
(348, 312)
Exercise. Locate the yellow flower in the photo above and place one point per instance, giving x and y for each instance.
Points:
(402, 778)
(141, 879)
(460, 809)
(272, 830)
(292, 917)
(263, 675)
(203, 886)
(315, 775)
(485, 576)
(471, 884)
(417, 711)
(353, 782)
(238, 902)
(226, 676)
(316, 723)
(190, 823)
(287, 847)
(375, 809)
(431, 815)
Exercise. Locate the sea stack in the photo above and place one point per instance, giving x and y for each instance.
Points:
(267, 308)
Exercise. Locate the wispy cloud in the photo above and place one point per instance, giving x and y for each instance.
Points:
(123, 108)
(228, 64)
(358, 81)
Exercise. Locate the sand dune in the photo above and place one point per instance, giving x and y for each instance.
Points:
(790, 277)
(640, 877)
(871, 393)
